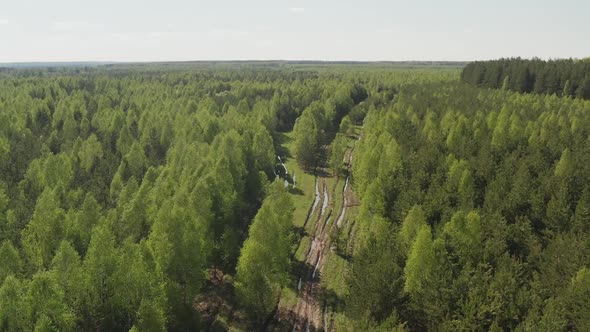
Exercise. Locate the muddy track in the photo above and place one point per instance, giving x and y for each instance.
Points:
(310, 313)
(307, 314)
(305, 306)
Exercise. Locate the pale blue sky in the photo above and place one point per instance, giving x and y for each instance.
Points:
(171, 30)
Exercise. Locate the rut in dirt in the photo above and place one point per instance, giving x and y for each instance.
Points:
(309, 312)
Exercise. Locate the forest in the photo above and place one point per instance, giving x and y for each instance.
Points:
(567, 77)
(480, 204)
(295, 196)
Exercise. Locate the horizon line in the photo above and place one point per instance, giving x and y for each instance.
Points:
(41, 63)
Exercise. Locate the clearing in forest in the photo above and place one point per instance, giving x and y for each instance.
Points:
(321, 201)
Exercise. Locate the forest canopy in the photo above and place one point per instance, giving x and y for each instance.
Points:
(192, 196)
(568, 77)
(484, 196)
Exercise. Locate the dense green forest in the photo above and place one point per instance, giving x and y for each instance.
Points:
(192, 196)
(117, 194)
(568, 78)
(475, 212)
(122, 189)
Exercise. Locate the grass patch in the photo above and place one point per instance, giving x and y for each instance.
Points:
(333, 277)
(336, 188)
(288, 298)
(304, 192)
(303, 249)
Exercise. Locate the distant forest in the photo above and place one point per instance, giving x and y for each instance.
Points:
(566, 77)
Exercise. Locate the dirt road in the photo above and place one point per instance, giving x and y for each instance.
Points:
(310, 313)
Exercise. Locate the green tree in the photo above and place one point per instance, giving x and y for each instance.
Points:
(139, 295)
(420, 262)
(376, 279)
(46, 309)
(337, 154)
(506, 83)
(42, 235)
(577, 302)
(414, 220)
(263, 151)
(179, 252)
(584, 88)
(100, 266)
(307, 141)
(90, 153)
(464, 236)
(136, 161)
(582, 214)
(82, 222)
(264, 259)
(10, 261)
(13, 316)
(151, 318)
(568, 90)
(564, 166)
(66, 270)
(346, 127)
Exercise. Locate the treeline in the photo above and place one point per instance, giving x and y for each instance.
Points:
(475, 212)
(568, 77)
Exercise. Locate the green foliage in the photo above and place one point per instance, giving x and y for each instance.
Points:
(42, 235)
(122, 187)
(82, 222)
(485, 196)
(582, 214)
(565, 77)
(564, 165)
(4, 149)
(45, 306)
(179, 252)
(66, 270)
(10, 261)
(409, 229)
(339, 146)
(307, 133)
(151, 317)
(358, 93)
(376, 280)
(264, 259)
(464, 236)
(577, 302)
(119, 190)
(346, 126)
(100, 267)
(13, 315)
(420, 262)
(90, 153)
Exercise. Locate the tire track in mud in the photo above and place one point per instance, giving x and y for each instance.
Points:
(309, 312)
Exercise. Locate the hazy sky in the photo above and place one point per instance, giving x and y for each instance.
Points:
(144, 30)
